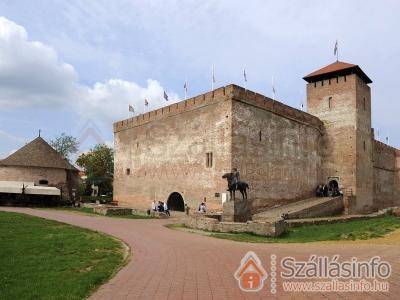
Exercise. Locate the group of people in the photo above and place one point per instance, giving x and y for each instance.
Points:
(160, 207)
(324, 190)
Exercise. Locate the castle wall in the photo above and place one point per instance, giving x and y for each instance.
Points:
(386, 176)
(276, 148)
(364, 146)
(166, 151)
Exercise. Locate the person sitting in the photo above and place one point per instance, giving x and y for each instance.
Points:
(154, 206)
(319, 191)
(160, 206)
(202, 208)
(166, 210)
(325, 190)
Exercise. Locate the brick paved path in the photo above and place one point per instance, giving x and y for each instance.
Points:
(169, 264)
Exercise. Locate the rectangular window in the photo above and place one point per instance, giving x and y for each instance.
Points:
(128, 171)
(337, 79)
(315, 84)
(329, 81)
(330, 102)
(365, 104)
(345, 79)
(209, 159)
(365, 146)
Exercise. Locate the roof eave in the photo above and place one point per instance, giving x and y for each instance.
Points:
(352, 70)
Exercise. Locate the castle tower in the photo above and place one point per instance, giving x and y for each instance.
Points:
(339, 95)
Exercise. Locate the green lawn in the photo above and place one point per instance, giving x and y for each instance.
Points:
(89, 210)
(43, 259)
(352, 230)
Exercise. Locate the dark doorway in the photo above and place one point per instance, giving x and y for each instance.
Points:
(333, 184)
(333, 188)
(175, 202)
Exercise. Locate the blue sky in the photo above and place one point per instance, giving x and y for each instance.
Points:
(69, 65)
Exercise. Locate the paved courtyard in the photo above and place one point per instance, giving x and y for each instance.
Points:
(170, 264)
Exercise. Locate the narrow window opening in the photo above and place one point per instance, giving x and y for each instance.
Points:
(322, 83)
(345, 79)
(43, 182)
(365, 146)
(260, 135)
(209, 159)
(315, 84)
(365, 104)
(128, 171)
(330, 102)
(337, 79)
(329, 81)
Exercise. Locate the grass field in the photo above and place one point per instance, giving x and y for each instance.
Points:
(88, 210)
(352, 230)
(43, 259)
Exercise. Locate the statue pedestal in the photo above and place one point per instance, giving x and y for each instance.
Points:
(237, 210)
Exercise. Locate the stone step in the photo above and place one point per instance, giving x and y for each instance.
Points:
(307, 208)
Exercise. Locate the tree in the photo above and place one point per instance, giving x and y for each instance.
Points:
(65, 145)
(98, 164)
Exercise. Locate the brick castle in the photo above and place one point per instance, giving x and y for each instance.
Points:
(179, 152)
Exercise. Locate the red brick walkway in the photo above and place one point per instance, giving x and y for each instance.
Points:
(169, 264)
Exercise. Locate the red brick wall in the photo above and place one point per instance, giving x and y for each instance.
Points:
(347, 127)
(386, 180)
(167, 153)
(278, 156)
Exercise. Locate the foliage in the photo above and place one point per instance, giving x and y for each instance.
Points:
(351, 230)
(98, 164)
(43, 259)
(65, 145)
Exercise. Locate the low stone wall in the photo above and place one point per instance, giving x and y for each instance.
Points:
(112, 211)
(339, 219)
(329, 208)
(271, 229)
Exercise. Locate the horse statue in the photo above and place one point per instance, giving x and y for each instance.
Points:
(241, 186)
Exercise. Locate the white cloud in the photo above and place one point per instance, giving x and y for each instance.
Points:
(32, 75)
(110, 100)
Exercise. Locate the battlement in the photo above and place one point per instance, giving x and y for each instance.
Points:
(231, 91)
(276, 107)
(208, 98)
(382, 147)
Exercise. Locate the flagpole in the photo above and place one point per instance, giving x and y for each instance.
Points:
(213, 78)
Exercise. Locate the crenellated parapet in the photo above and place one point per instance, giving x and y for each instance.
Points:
(173, 109)
(241, 94)
(230, 92)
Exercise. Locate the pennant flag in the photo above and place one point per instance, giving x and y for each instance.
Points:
(273, 87)
(213, 74)
(244, 75)
(131, 108)
(146, 103)
(336, 50)
(165, 96)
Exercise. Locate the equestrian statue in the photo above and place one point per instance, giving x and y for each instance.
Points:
(234, 184)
